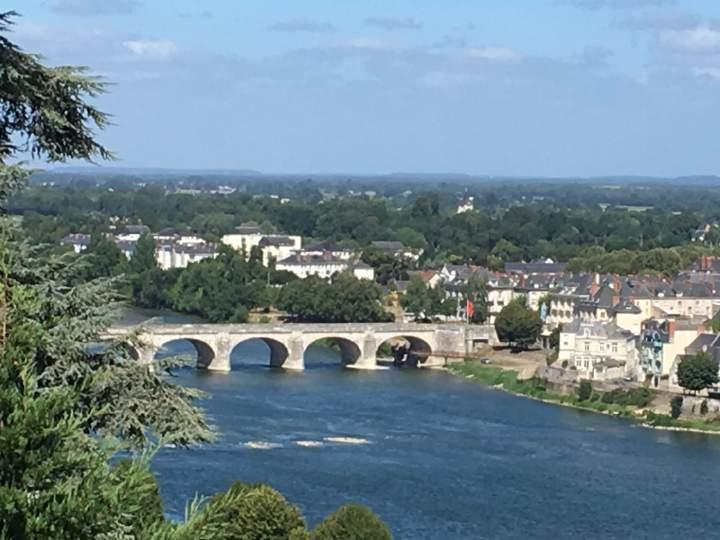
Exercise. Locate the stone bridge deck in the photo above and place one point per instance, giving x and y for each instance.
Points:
(430, 344)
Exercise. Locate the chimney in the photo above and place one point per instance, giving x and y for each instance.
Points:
(594, 288)
(671, 329)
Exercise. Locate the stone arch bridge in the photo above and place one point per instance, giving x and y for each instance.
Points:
(430, 345)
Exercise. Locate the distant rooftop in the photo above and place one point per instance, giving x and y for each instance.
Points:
(388, 245)
(249, 227)
(535, 267)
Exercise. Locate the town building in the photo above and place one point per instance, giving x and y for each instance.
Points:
(78, 242)
(180, 255)
(324, 266)
(331, 247)
(536, 267)
(274, 247)
(398, 249)
(660, 344)
(597, 350)
(466, 204)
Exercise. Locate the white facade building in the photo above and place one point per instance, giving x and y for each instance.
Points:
(598, 350)
(274, 247)
(324, 266)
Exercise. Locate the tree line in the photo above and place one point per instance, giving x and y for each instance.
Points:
(589, 236)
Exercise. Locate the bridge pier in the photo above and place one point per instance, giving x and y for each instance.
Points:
(296, 353)
(220, 361)
(368, 353)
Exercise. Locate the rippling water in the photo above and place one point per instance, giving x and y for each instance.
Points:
(438, 457)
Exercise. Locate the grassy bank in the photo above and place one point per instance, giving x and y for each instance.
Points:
(628, 403)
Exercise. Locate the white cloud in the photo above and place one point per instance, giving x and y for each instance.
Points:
(393, 23)
(619, 4)
(367, 43)
(95, 7)
(301, 25)
(709, 72)
(693, 40)
(500, 54)
(151, 49)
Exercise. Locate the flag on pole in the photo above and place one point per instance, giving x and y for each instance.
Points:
(469, 309)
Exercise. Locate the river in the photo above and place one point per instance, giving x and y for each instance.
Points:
(438, 457)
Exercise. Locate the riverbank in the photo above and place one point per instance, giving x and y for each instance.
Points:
(635, 404)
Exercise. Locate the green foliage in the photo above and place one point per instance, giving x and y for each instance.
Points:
(103, 258)
(67, 406)
(343, 299)
(476, 292)
(46, 110)
(143, 257)
(518, 325)
(554, 339)
(387, 266)
(248, 512)
(697, 372)
(425, 302)
(567, 227)
(585, 390)
(143, 495)
(223, 289)
(351, 522)
(635, 397)
(676, 407)
(704, 407)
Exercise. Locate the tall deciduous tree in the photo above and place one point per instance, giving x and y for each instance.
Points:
(103, 258)
(518, 325)
(344, 299)
(143, 258)
(476, 292)
(696, 373)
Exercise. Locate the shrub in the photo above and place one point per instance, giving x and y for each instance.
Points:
(639, 397)
(704, 407)
(564, 364)
(352, 522)
(676, 406)
(250, 512)
(585, 390)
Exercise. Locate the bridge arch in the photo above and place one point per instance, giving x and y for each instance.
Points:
(204, 352)
(278, 351)
(350, 352)
(405, 350)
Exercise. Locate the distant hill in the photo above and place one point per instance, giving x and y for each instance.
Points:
(142, 171)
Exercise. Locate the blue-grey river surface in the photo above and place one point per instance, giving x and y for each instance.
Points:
(441, 458)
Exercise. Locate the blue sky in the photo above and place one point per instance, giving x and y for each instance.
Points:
(507, 87)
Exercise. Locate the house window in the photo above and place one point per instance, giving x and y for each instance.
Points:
(614, 347)
(587, 346)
